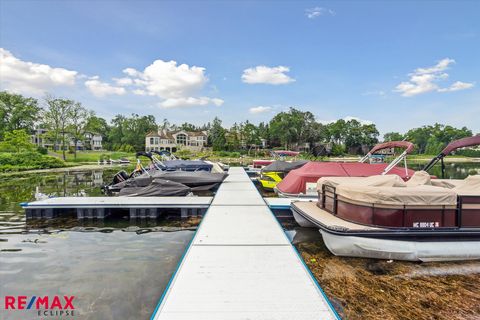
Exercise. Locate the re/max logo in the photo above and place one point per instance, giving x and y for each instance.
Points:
(37, 303)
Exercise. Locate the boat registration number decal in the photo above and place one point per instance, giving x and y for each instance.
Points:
(426, 224)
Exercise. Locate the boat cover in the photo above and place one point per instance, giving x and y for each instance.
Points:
(157, 188)
(390, 190)
(470, 187)
(284, 166)
(422, 195)
(200, 180)
(420, 178)
(295, 181)
(186, 165)
(286, 153)
(373, 181)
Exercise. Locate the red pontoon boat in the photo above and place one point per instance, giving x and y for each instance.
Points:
(302, 182)
(384, 217)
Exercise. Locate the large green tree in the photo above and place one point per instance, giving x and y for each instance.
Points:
(216, 135)
(57, 117)
(128, 133)
(393, 136)
(17, 112)
(293, 127)
(78, 125)
(432, 139)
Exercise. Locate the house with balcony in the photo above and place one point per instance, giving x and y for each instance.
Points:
(91, 141)
(173, 141)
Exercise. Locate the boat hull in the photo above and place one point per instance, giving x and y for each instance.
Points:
(425, 251)
(302, 221)
(354, 240)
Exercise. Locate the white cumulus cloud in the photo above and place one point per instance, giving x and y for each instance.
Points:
(166, 79)
(459, 85)
(316, 12)
(32, 78)
(259, 109)
(101, 89)
(424, 80)
(267, 75)
(178, 85)
(190, 102)
(123, 81)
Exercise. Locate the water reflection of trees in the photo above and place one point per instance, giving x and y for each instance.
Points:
(16, 189)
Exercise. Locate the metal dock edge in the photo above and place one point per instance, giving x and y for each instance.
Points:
(241, 265)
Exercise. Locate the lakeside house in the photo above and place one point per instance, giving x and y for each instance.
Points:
(91, 141)
(173, 141)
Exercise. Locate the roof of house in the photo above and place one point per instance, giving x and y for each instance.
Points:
(163, 134)
(153, 134)
(196, 133)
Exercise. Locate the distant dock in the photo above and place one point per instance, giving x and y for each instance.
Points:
(240, 265)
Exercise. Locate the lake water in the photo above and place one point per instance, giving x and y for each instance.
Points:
(117, 272)
(114, 271)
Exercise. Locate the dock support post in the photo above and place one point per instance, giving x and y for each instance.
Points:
(49, 213)
(133, 213)
(184, 212)
(153, 213)
(80, 213)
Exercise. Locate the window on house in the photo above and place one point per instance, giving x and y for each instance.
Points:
(151, 140)
(182, 139)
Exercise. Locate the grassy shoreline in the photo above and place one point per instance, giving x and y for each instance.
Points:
(89, 161)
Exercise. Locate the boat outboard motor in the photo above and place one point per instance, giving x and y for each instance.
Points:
(120, 177)
(144, 154)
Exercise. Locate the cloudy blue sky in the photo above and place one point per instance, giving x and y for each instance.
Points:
(399, 64)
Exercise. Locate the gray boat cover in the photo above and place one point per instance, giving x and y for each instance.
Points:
(187, 165)
(157, 188)
(284, 166)
(198, 180)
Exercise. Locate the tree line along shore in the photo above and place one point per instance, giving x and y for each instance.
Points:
(124, 135)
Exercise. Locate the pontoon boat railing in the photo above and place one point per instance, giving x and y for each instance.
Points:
(408, 146)
(452, 146)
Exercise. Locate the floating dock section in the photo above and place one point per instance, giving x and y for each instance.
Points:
(100, 207)
(241, 265)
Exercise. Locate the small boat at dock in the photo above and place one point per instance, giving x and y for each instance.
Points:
(272, 174)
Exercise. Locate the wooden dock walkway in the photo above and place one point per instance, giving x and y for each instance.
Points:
(240, 265)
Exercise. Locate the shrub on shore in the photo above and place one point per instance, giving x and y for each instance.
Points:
(27, 161)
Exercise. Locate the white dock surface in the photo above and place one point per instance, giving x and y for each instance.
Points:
(240, 265)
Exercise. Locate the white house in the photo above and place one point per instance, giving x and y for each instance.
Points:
(176, 140)
(92, 141)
